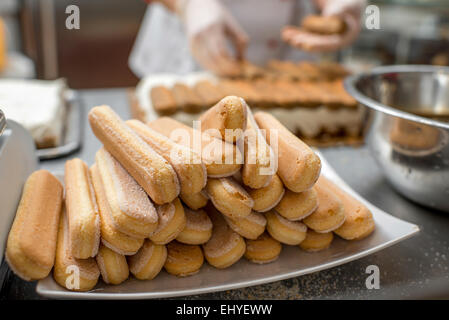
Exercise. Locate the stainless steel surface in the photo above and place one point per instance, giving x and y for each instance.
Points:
(17, 161)
(2, 122)
(413, 151)
(415, 268)
(73, 129)
(292, 263)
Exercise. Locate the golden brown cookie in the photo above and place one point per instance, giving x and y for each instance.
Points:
(187, 164)
(131, 210)
(226, 120)
(315, 241)
(229, 197)
(249, 227)
(69, 272)
(359, 222)
(268, 197)
(198, 229)
(172, 221)
(260, 164)
(298, 166)
(183, 259)
(186, 98)
(82, 210)
(163, 100)
(323, 24)
(225, 247)
(330, 214)
(148, 261)
(285, 231)
(297, 206)
(31, 254)
(151, 171)
(208, 92)
(221, 159)
(262, 250)
(111, 237)
(195, 201)
(113, 266)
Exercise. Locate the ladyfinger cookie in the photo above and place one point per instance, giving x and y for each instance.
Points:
(163, 100)
(192, 174)
(297, 206)
(151, 171)
(342, 96)
(333, 70)
(208, 92)
(298, 166)
(225, 247)
(249, 227)
(286, 67)
(268, 197)
(82, 210)
(260, 162)
(229, 197)
(221, 159)
(323, 24)
(359, 221)
(283, 230)
(172, 221)
(131, 210)
(243, 89)
(249, 70)
(262, 250)
(329, 215)
(198, 228)
(228, 116)
(315, 241)
(31, 246)
(186, 98)
(113, 266)
(69, 272)
(294, 94)
(111, 237)
(148, 261)
(195, 201)
(183, 259)
(310, 69)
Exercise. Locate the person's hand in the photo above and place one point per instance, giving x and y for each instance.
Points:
(348, 10)
(209, 26)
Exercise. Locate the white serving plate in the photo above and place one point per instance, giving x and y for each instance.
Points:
(292, 262)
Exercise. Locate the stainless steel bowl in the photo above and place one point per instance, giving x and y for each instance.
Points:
(408, 128)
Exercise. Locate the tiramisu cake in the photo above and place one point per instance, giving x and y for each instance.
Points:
(38, 105)
(308, 98)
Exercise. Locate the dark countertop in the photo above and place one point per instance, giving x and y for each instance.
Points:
(415, 268)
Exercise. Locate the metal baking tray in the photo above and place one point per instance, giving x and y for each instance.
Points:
(292, 262)
(72, 132)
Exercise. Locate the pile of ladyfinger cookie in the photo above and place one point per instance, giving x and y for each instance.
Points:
(144, 204)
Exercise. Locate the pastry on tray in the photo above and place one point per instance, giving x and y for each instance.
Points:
(124, 216)
(38, 105)
(308, 98)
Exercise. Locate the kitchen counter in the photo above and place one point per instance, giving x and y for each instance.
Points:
(415, 268)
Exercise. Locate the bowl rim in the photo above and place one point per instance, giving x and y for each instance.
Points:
(351, 81)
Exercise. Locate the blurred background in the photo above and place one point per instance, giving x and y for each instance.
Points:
(38, 45)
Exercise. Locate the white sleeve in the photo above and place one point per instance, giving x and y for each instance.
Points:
(161, 45)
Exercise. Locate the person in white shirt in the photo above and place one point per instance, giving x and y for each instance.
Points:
(180, 36)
